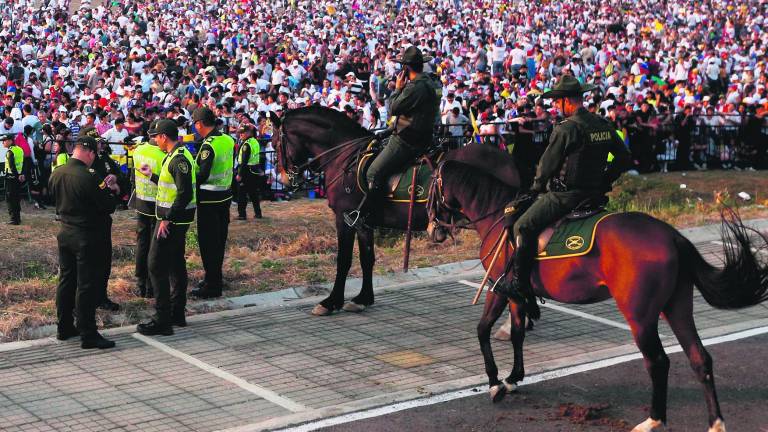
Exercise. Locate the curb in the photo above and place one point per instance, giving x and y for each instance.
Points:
(300, 296)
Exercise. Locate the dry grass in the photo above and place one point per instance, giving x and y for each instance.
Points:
(296, 245)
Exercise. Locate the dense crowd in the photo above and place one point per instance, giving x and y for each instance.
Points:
(684, 81)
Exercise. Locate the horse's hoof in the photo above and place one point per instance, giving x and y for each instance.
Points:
(511, 387)
(353, 307)
(649, 425)
(320, 310)
(497, 392)
(717, 426)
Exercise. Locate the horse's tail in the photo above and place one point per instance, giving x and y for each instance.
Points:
(743, 281)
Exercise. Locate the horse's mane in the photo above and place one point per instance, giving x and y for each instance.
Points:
(329, 118)
(486, 192)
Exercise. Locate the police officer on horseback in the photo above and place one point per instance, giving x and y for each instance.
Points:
(415, 105)
(574, 169)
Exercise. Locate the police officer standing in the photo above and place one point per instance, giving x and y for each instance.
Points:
(416, 107)
(175, 205)
(215, 161)
(573, 168)
(149, 154)
(108, 169)
(14, 177)
(84, 203)
(249, 173)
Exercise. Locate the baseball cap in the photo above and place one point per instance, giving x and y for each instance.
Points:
(87, 142)
(204, 114)
(165, 127)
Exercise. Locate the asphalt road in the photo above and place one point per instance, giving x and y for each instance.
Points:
(613, 399)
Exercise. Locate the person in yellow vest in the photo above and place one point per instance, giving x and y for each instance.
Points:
(149, 154)
(249, 173)
(215, 161)
(61, 157)
(175, 205)
(14, 177)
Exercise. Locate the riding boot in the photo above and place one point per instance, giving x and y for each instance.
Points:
(356, 218)
(525, 255)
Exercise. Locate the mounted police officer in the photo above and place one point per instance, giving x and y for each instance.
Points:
(416, 107)
(175, 205)
(84, 202)
(216, 164)
(149, 154)
(14, 177)
(574, 168)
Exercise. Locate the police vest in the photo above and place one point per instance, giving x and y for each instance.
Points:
(219, 182)
(253, 159)
(167, 192)
(146, 190)
(18, 159)
(60, 160)
(585, 166)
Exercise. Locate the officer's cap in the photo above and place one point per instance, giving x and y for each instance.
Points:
(165, 127)
(204, 114)
(87, 142)
(6, 137)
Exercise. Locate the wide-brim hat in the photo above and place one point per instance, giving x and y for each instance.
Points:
(413, 55)
(568, 86)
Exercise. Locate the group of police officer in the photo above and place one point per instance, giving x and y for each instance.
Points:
(170, 187)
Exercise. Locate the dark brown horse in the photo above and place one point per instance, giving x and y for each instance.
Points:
(646, 265)
(324, 139)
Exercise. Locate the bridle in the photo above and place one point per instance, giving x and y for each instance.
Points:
(294, 173)
(436, 202)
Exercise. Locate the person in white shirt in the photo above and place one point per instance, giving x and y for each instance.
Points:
(116, 135)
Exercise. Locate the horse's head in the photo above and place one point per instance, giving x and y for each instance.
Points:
(443, 213)
(291, 154)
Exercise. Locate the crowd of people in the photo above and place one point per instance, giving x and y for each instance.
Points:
(683, 81)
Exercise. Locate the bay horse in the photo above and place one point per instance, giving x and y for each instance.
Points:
(320, 138)
(646, 265)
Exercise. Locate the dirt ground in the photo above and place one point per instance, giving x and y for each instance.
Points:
(295, 245)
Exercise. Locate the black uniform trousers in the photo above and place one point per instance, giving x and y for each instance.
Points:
(145, 227)
(106, 262)
(212, 229)
(81, 253)
(168, 272)
(13, 197)
(249, 187)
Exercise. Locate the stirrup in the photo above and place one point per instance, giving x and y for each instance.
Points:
(352, 218)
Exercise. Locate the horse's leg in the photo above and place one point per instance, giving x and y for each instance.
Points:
(517, 330)
(494, 306)
(345, 243)
(367, 259)
(679, 314)
(646, 335)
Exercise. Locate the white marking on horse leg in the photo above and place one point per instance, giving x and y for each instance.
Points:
(497, 392)
(717, 426)
(511, 388)
(505, 331)
(353, 307)
(649, 425)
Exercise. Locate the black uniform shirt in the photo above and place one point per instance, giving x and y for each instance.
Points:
(83, 199)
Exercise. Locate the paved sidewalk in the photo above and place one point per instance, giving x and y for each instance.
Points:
(272, 366)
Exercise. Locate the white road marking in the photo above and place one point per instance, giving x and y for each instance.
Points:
(566, 310)
(544, 376)
(243, 384)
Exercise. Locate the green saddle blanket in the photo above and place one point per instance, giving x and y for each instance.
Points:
(399, 185)
(573, 237)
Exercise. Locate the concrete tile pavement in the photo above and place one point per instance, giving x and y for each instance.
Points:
(266, 367)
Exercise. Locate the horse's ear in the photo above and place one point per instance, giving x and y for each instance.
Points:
(276, 121)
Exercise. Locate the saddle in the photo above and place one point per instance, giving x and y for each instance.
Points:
(398, 185)
(574, 234)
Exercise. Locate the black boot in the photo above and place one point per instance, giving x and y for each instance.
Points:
(525, 255)
(154, 327)
(178, 318)
(109, 305)
(356, 218)
(66, 331)
(95, 340)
